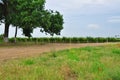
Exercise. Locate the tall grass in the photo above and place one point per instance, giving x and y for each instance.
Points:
(89, 63)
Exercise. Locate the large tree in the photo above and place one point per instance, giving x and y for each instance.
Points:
(29, 14)
(4, 17)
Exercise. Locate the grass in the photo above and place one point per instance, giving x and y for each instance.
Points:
(89, 63)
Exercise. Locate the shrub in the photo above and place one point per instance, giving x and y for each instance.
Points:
(101, 40)
(82, 40)
(91, 40)
(52, 40)
(46, 40)
(66, 39)
(111, 39)
(1, 38)
(74, 40)
(12, 40)
(58, 40)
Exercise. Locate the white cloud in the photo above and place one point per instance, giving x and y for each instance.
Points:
(79, 3)
(114, 19)
(93, 26)
(82, 6)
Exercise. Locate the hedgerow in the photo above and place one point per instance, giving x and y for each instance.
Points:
(67, 40)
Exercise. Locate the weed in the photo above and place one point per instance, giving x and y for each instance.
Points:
(29, 62)
(116, 51)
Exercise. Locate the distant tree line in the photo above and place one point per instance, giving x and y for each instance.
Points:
(68, 40)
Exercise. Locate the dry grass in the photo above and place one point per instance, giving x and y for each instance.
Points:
(88, 63)
(17, 51)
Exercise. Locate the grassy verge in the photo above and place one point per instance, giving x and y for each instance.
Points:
(89, 63)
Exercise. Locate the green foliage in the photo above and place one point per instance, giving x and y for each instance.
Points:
(52, 40)
(100, 39)
(28, 62)
(11, 40)
(29, 14)
(74, 40)
(68, 40)
(58, 40)
(27, 31)
(54, 55)
(82, 40)
(52, 22)
(116, 51)
(49, 22)
(91, 40)
(21, 39)
(113, 39)
(1, 38)
(65, 40)
(1, 12)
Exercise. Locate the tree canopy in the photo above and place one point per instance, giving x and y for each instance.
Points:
(29, 14)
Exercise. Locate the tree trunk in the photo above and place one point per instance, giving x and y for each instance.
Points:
(15, 34)
(6, 13)
(6, 32)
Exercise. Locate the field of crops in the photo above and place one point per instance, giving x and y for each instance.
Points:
(88, 63)
(64, 39)
(67, 40)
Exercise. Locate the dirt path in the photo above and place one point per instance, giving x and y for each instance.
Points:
(7, 53)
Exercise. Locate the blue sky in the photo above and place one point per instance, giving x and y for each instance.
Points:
(97, 18)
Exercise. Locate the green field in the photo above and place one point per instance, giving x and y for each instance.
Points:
(88, 63)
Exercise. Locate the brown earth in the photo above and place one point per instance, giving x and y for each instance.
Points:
(13, 52)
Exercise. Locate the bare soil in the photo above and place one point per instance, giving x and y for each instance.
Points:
(13, 52)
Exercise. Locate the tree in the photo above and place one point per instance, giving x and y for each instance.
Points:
(51, 23)
(1, 12)
(27, 31)
(29, 14)
(26, 13)
(4, 17)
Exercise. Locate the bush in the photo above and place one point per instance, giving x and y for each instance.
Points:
(74, 40)
(82, 40)
(66, 40)
(91, 40)
(1, 38)
(111, 39)
(12, 40)
(101, 40)
(58, 40)
(52, 40)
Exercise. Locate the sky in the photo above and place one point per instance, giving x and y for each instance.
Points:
(82, 18)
